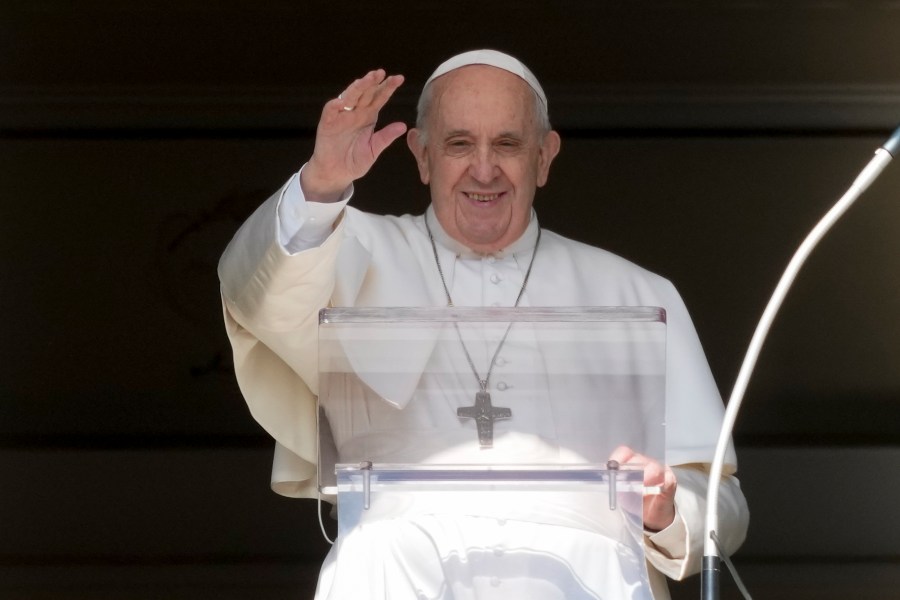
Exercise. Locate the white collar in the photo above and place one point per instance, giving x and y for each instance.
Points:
(525, 243)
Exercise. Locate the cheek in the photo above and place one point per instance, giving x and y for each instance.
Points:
(523, 176)
(539, 175)
(447, 173)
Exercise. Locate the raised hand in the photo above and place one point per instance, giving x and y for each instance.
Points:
(659, 509)
(347, 144)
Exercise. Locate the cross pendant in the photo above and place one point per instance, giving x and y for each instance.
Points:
(484, 414)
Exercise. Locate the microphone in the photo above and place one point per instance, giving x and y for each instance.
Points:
(709, 581)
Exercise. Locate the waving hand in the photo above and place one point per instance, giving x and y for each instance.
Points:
(347, 144)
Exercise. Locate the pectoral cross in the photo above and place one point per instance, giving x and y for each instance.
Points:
(484, 414)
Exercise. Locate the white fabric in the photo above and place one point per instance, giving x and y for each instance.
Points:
(303, 225)
(271, 299)
(561, 278)
(475, 558)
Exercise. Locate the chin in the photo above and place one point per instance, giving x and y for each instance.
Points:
(485, 243)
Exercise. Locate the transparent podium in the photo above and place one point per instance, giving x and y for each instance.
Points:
(469, 448)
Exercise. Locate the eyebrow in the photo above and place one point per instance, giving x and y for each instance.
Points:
(502, 134)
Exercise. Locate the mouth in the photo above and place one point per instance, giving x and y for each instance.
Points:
(483, 198)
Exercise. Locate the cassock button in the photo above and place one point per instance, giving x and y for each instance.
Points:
(501, 362)
(502, 386)
(495, 278)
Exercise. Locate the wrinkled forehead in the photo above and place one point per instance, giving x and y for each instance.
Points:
(482, 95)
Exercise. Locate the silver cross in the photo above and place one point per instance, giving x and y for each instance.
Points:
(484, 414)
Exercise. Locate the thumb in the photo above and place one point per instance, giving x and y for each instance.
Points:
(385, 137)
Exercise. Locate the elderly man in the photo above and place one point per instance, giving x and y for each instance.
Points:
(483, 144)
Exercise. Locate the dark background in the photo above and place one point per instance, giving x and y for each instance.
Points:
(701, 139)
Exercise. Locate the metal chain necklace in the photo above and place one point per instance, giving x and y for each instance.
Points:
(482, 411)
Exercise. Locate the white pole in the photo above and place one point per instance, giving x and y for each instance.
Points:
(711, 555)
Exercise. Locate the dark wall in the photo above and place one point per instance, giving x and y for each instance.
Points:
(701, 140)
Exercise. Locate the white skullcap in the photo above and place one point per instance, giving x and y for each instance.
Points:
(491, 58)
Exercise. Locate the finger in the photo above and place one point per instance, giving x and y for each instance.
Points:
(654, 474)
(371, 82)
(670, 484)
(352, 92)
(659, 509)
(352, 95)
(376, 97)
(386, 136)
(622, 455)
(337, 107)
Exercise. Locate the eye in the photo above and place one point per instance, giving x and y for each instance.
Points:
(508, 145)
(458, 146)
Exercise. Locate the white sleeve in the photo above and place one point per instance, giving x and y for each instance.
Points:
(677, 550)
(301, 224)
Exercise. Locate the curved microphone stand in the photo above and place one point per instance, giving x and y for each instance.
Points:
(711, 560)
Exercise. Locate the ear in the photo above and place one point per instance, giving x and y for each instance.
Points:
(549, 149)
(414, 141)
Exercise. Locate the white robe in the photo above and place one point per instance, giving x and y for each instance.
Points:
(271, 300)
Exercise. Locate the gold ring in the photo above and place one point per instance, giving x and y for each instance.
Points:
(348, 108)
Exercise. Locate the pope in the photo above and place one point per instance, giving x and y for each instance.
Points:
(483, 145)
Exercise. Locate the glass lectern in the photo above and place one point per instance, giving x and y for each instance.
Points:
(489, 432)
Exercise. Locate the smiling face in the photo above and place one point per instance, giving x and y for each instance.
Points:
(483, 156)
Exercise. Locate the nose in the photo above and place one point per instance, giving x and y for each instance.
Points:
(483, 165)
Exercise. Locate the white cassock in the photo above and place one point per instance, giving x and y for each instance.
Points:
(285, 264)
